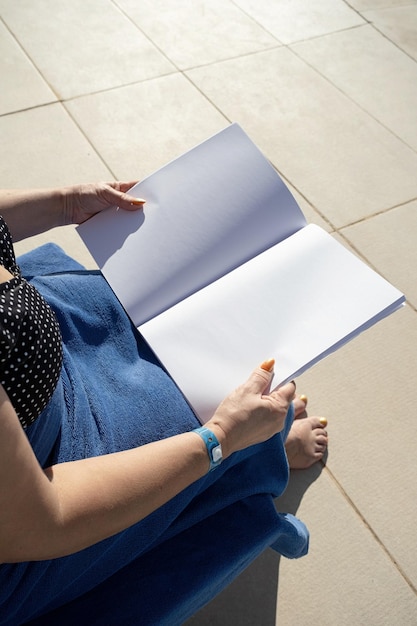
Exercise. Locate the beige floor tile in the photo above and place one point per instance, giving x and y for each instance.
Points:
(311, 215)
(45, 148)
(388, 241)
(99, 47)
(398, 24)
(22, 85)
(139, 128)
(367, 392)
(373, 72)
(66, 237)
(346, 578)
(362, 5)
(295, 20)
(344, 162)
(204, 31)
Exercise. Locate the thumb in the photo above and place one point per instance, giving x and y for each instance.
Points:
(260, 379)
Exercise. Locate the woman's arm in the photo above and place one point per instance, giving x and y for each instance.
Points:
(70, 506)
(33, 211)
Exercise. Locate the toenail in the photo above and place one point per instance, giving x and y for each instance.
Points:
(323, 421)
(304, 399)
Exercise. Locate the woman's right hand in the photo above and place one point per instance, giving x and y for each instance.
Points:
(67, 507)
(252, 413)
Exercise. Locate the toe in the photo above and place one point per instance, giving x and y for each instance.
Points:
(300, 403)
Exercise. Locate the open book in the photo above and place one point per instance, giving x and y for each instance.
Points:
(220, 271)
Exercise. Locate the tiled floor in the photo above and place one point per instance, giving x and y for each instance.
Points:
(97, 89)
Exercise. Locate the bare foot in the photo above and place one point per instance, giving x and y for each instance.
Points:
(307, 440)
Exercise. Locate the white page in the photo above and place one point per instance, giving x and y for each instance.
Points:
(206, 212)
(296, 303)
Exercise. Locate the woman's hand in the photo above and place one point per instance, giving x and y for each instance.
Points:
(252, 414)
(30, 212)
(81, 202)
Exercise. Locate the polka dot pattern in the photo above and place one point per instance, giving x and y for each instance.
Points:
(30, 340)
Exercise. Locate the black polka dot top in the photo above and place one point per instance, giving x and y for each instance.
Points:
(30, 340)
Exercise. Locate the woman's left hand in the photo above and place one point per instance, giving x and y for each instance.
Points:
(85, 200)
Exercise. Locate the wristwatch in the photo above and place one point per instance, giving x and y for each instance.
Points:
(214, 449)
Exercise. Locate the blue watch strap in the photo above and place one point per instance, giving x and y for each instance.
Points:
(214, 449)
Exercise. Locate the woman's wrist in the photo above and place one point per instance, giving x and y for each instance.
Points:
(67, 201)
(31, 212)
(220, 435)
(212, 446)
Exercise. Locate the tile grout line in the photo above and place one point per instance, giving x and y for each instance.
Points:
(323, 217)
(59, 101)
(290, 43)
(347, 96)
(368, 262)
(132, 21)
(183, 71)
(178, 69)
(30, 108)
(377, 213)
(186, 69)
(90, 143)
(355, 508)
(29, 58)
(394, 43)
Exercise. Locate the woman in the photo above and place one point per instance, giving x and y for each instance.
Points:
(102, 462)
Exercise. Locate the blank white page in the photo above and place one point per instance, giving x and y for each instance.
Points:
(296, 302)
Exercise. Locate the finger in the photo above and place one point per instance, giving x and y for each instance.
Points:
(126, 186)
(287, 391)
(260, 379)
(122, 186)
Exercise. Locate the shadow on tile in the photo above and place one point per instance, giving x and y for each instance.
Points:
(300, 481)
(252, 597)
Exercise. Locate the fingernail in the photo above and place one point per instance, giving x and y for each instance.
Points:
(138, 202)
(304, 399)
(268, 365)
(323, 421)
